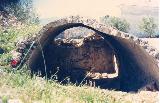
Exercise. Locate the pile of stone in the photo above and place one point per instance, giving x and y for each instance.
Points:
(75, 36)
(23, 47)
(76, 33)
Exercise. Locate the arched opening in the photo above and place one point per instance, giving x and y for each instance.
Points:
(134, 63)
(82, 55)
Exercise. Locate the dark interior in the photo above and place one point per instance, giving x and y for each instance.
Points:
(136, 67)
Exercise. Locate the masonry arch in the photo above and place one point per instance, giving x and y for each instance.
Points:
(136, 67)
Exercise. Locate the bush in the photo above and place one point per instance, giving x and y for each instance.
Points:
(120, 24)
(148, 27)
(22, 9)
(10, 36)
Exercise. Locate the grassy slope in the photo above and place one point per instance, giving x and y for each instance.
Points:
(17, 84)
(20, 85)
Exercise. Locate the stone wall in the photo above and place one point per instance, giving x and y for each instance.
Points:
(92, 55)
(138, 62)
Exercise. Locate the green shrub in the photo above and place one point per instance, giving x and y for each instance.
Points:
(148, 26)
(120, 24)
(10, 36)
(22, 9)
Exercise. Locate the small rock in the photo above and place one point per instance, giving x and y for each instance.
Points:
(137, 40)
(104, 75)
(97, 76)
(157, 56)
(145, 46)
(119, 33)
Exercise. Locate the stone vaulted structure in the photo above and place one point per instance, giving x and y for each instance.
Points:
(137, 62)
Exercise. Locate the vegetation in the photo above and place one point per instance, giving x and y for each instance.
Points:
(148, 27)
(18, 84)
(120, 24)
(9, 36)
(4, 3)
(28, 90)
(22, 9)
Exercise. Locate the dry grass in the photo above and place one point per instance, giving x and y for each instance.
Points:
(19, 85)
